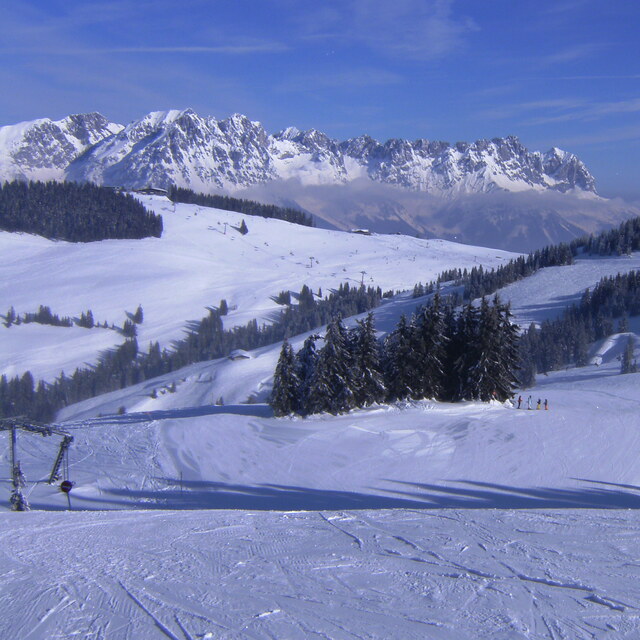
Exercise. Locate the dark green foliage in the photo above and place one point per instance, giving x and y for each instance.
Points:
(331, 388)
(428, 344)
(368, 381)
(74, 212)
(86, 320)
(138, 316)
(480, 345)
(44, 315)
(401, 364)
(243, 229)
(10, 318)
(565, 340)
(129, 329)
(248, 207)
(206, 340)
(284, 395)
(284, 298)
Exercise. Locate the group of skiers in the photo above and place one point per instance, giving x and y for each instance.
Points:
(539, 405)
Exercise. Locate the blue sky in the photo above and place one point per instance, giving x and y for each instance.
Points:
(553, 72)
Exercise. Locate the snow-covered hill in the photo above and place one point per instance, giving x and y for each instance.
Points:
(425, 520)
(468, 521)
(200, 260)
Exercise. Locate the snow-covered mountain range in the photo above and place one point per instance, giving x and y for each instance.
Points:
(183, 148)
(492, 193)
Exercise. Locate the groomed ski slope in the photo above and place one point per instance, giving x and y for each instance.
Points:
(424, 521)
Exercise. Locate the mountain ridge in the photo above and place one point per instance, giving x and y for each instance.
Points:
(183, 148)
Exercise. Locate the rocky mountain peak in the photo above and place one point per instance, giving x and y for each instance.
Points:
(181, 147)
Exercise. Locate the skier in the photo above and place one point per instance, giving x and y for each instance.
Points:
(529, 403)
(519, 401)
(546, 405)
(539, 402)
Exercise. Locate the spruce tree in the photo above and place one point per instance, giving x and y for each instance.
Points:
(367, 372)
(628, 364)
(331, 385)
(399, 362)
(467, 340)
(138, 316)
(429, 344)
(284, 395)
(306, 359)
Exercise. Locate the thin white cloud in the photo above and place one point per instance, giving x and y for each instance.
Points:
(230, 49)
(569, 54)
(607, 136)
(557, 110)
(406, 29)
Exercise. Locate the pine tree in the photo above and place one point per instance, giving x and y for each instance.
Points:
(429, 344)
(306, 360)
(467, 341)
(243, 228)
(400, 362)
(331, 385)
(10, 318)
(369, 382)
(138, 316)
(129, 329)
(284, 395)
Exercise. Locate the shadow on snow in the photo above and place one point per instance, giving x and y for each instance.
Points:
(274, 497)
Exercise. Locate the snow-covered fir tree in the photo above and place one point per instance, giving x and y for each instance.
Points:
(628, 364)
(367, 373)
(331, 385)
(400, 368)
(286, 384)
(429, 341)
(306, 359)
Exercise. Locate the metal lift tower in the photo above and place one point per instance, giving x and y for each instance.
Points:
(18, 501)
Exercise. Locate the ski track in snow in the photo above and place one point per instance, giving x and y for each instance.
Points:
(411, 574)
(545, 561)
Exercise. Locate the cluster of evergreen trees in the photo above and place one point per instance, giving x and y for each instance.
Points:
(74, 212)
(557, 343)
(479, 282)
(207, 339)
(248, 207)
(437, 354)
(615, 242)
(44, 315)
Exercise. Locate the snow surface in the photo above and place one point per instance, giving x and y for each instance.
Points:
(424, 521)
(421, 520)
(200, 259)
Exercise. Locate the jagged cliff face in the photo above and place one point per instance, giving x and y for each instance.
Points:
(183, 148)
(43, 149)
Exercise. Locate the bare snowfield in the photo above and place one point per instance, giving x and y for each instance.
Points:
(422, 520)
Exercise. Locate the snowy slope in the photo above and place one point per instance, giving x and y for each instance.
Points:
(199, 260)
(424, 520)
(429, 521)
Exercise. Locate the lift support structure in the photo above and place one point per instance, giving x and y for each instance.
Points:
(12, 425)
